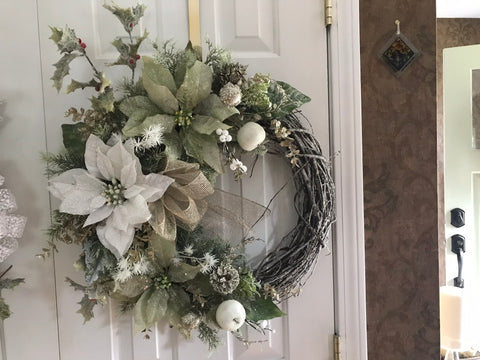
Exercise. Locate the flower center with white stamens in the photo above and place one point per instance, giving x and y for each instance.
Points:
(114, 193)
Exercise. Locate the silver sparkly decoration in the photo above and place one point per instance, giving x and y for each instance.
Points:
(230, 94)
(190, 321)
(11, 226)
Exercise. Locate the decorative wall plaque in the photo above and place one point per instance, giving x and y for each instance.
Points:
(398, 52)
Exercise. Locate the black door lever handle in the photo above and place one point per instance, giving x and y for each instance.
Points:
(458, 247)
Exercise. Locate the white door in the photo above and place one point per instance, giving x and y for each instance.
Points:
(284, 38)
(461, 74)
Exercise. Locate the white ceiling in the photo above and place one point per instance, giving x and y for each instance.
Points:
(458, 8)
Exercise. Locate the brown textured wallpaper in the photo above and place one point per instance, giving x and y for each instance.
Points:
(400, 177)
(450, 33)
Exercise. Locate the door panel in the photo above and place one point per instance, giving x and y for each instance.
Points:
(462, 166)
(283, 38)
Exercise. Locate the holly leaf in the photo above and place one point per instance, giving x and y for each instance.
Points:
(56, 34)
(73, 137)
(204, 148)
(10, 283)
(160, 85)
(99, 261)
(104, 101)
(86, 307)
(62, 69)
(182, 272)
(129, 17)
(65, 39)
(150, 308)
(122, 48)
(127, 51)
(4, 309)
(207, 124)
(262, 309)
(214, 107)
(76, 286)
(75, 85)
(196, 86)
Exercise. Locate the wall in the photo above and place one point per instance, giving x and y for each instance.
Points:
(400, 177)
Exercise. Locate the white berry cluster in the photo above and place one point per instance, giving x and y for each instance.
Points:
(237, 165)
(224, 136)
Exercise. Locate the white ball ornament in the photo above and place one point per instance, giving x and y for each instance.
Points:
(250, 136)
(230, 315)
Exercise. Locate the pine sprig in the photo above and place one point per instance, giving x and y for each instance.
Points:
(209, 336)
(64, 161)
(130, 89)
(152, 160)
(65, 227)
(204, 242)
(168, 55)
(216, 56)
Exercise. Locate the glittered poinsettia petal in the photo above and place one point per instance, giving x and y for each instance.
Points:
(120, 158)
(64, 183)
(137, 210)
(93, 144)
(77, 202)
(86, 182)
(98, 201)
(133, 191)
(128, 175)
(98, 215)
(105, 166)
(119, 218)
(157, 185)
(115, 240)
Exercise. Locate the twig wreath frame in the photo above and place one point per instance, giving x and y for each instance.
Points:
(139, 168)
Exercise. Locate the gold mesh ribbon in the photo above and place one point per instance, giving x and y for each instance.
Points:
(183, 203)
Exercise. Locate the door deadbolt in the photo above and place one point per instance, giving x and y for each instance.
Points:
(457, 217)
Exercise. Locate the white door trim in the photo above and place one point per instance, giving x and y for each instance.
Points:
(350, 302)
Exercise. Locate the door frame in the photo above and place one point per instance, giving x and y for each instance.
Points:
(346, 135)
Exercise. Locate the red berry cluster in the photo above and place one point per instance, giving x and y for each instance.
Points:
(134, 60)
(82, 44)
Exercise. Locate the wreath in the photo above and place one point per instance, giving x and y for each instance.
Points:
(136, 186)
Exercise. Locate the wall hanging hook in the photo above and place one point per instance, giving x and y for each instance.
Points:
(397, 22)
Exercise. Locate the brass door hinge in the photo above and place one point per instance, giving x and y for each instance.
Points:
(328, 12)
(336, 347)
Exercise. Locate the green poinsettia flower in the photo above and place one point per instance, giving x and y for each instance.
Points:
(182, 103)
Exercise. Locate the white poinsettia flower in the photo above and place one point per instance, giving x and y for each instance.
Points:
(113, 192)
